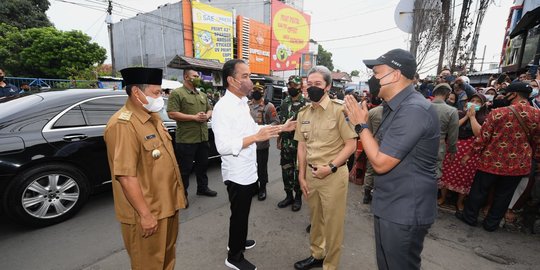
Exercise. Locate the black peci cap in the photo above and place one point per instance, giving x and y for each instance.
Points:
(519, 87)
(141, 75)
(396, 59)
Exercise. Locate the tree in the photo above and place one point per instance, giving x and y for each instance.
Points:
(49, 53)
(25, 14)
(355, 73)
(324, 58)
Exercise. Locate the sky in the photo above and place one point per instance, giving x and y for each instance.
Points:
(336, 19)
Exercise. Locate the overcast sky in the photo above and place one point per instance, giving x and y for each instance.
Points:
(338, 19)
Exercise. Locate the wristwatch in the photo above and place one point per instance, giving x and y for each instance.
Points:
(358, 128)
(333, 167)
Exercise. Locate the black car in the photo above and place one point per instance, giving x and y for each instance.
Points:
(52, 152)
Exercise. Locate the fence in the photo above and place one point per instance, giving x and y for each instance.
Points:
(41, 84)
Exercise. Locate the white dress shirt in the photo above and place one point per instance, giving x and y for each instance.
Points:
(231, 123)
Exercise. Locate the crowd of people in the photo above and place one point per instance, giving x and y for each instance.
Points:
(418, 137)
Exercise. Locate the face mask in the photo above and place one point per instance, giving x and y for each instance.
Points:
(245, 87)
(476, 106)
(497, 103)
(375, 84)
(315, 93)
(534, 92)
(196, 82)
(257, 95)
(293, 92)
(489, 97)
(154, 104)
(450, 103)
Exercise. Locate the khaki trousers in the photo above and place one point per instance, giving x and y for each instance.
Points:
(157, 252)
(327, 203)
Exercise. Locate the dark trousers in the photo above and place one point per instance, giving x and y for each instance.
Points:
(398, 246)
(504, 190)
(262, 166)
(187, 154)
(240, 198)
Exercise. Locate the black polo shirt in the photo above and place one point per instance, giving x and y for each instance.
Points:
(410, 132)
(8, 90)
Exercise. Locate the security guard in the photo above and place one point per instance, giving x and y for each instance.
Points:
(289, 166)
(325, 141)
(147, 187)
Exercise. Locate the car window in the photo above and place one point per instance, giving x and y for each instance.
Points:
(99, 111)
(72, 118)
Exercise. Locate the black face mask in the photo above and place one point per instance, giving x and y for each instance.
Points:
(293, 92)
(375, 84)
(497, 103)
(257, 95)
(315, 93)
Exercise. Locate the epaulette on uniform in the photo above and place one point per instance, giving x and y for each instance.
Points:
(305, 107)
(125, 115)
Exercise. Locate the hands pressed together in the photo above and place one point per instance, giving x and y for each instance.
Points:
(357, 114)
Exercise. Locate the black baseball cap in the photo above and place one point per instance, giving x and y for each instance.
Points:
(518, 87)
(396, 59)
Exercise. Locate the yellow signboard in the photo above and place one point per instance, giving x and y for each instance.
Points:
(212, 33)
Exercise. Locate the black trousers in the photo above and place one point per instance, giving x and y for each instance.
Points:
(188, 153)
(398, 246)
(240, 198)
(504, 190)
(262, 166)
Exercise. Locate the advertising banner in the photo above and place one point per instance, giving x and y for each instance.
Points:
(308, 61)
(212, 33)
(254, 44)
(290, 36)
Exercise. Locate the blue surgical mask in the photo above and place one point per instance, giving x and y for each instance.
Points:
(534, 92)
(476, 106)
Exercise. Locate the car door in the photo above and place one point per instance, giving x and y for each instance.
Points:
(77, 135)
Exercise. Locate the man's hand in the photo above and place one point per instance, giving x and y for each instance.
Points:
(148, 225)
(320, 172)
(289, 125)
(266, 133)
(357, 114)
(304, 187)
(201, 117)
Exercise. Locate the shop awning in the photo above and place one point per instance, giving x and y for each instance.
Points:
(183, 62)
(528, 21)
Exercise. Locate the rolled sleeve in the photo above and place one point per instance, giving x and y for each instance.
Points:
(173, 103)
(404, 132)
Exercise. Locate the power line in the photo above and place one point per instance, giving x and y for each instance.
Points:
(357, 36)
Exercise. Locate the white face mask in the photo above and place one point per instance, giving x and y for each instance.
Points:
(534, 92)
(154, 104)
(489, 97)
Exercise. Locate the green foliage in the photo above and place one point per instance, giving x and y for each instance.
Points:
(324, 58)
(355, 73)
(24, 14)
(49, 53)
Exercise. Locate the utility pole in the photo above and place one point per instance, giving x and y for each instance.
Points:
(417, 16)
(481, 12)
(109, 27)
(444, 32)
(462, 20)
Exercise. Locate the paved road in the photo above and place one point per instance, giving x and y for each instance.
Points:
(91, 240)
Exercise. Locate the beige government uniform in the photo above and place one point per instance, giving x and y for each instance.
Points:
(324, 131)
(139, 145)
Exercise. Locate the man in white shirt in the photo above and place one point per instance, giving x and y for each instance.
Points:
(235, 134)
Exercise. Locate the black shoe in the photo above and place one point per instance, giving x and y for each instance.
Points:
(459, 215)
(488, 229)
(249, 244)
(308, 263)
(367, 196)
(308, 228)
(187, 203)
(240, 265)
(297, 204)
(207, 192)
(287, 201)
(262, 194)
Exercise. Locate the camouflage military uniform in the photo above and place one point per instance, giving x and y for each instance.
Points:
(289, 147)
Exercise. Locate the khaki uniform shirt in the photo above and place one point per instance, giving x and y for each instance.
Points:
(131, 136)
(324, 130)
(189, 102)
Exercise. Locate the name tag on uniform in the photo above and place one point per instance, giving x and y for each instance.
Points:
(151, 136)
(305, 122)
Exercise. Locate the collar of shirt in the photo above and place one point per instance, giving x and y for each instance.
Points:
(394, 102)
(325, 100)
(438, 101)
(194, 91)
(233, 98)
(137, 111)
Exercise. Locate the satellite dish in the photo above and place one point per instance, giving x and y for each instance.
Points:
(403, 16)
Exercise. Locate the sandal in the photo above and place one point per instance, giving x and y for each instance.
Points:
(510, 216)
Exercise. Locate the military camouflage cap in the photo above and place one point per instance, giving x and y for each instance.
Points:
(295, 79)
(258, 86)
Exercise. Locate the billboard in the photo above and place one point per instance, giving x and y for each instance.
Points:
(254, 44)
(290, 36)
(308, 61)
(212, 33)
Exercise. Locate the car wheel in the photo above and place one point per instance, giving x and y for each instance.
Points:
(46, 195)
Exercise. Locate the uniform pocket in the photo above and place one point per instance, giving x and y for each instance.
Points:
(151, 145)
(328, 124)
(306, 132)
